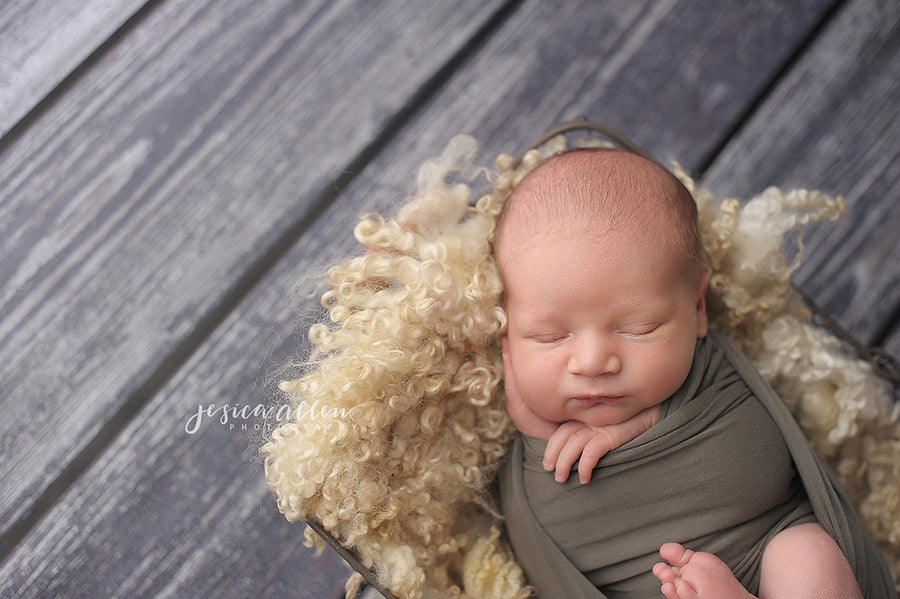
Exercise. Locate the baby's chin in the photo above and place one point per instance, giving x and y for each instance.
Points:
(609, 411)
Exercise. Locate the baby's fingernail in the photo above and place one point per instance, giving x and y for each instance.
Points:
(560, 477)
(548, 467)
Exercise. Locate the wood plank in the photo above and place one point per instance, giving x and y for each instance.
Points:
(834, 124)
(43, 41)
(130, 210)
(545, 64)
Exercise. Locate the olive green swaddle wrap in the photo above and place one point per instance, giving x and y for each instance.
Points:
(720, 471)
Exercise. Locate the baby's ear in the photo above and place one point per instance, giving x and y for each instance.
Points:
(702, 318)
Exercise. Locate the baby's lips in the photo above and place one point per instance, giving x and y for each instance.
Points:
(608, 399)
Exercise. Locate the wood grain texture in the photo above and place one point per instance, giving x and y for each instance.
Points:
(188, 511)
(833, 124)
(43, 41)
(130, 211)
(669, 75)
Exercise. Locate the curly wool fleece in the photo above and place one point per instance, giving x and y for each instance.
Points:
(411, 425)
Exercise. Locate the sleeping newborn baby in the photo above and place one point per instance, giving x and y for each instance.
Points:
(682, 451)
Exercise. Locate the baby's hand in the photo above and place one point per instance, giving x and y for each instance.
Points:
(575, 441)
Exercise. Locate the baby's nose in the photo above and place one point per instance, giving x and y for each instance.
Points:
(595, 356)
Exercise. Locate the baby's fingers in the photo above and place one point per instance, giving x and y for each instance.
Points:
(595, 448)
(564, 448)
(557, 440)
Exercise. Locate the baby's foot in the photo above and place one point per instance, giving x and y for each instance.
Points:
(694, 575)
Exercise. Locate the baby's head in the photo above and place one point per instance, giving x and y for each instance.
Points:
(581, 190)
(604, 285)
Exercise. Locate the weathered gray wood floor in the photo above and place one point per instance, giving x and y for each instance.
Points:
(168, 170)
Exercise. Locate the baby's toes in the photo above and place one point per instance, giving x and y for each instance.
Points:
(664, 572)
(676, 554)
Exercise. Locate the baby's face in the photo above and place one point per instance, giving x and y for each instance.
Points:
(599, 329)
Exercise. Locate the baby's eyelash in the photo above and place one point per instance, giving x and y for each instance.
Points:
(644, 329)
(550, 338)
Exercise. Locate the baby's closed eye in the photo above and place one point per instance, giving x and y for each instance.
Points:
(549, 337)
(640, 329)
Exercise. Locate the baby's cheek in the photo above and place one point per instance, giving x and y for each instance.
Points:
(676, 373)
(656, 372)
(539, 370)
(528, 377)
